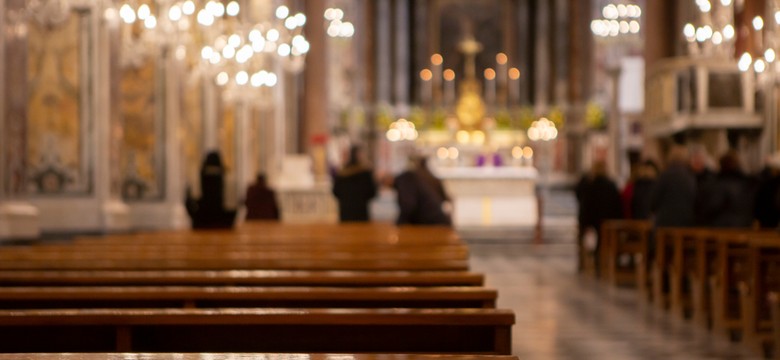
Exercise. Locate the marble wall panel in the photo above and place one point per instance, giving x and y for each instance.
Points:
(57, 161)
(140, 107)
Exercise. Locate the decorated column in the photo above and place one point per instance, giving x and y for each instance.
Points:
(18, 218)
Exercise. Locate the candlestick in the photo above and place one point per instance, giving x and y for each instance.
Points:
(436, 70)
(490, 86)
(449, 87)
(426, 88)
(501, 73)
(514, 86)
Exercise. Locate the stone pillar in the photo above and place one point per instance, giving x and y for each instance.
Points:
(114, 214)
(247, 168)
(579, 80)
(525, 60)
(18, 218)
(383, 44)
(316, 124)
(401, 55)
(542, 68)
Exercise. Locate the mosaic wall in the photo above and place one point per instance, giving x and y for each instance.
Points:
(57, 159)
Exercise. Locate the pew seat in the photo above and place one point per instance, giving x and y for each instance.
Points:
(477, 331)
(234, 296)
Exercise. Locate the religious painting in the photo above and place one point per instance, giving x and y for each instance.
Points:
(143, 136)
(58, 157)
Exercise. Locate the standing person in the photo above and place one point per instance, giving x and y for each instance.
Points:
(261, 201)
(599, 200)
(421, 196)
(672, 201)
(766, 208)
(728, 202)
(354, 187)
(209, 212)
(647, 174)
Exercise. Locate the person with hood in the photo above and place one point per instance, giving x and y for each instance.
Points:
(209, 211)
(354, 187)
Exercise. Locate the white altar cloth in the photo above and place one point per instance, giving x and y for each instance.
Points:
(491, 196)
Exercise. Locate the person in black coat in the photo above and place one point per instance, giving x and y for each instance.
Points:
(354, 187)
(727, 201)
(643, 190)
(674, 194)
(599, 200)
(766, 208)
(208, 212)
(421, 196)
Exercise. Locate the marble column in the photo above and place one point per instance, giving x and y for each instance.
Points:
(542, 68)
(580, 84)
(383, 44)
(316, 111)
(114, 214)
(18, 218)
(401, 55)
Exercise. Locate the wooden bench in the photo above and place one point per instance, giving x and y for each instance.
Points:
(762, 279)
(269, 232)
(480, 331)
(621, 238)
(239, 278)
(248, 356)
(63, 297)
(92, 263)
(681, 271)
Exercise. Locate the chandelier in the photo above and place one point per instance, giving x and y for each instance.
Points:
(235, 53)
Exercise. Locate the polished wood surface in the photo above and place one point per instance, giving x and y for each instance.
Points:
(483, 331)
(234, 296)
(244, 356)
(239, 277)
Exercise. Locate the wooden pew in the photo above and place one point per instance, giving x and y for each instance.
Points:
(248, 356)
(227, 263)
(480, 331)
(63, 297)
(624, 237)
(239, 278)
(761, 280)
(682, 269)
(269, 232)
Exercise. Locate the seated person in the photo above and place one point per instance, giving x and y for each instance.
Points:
(354, 187)
(209, 212)
(421, 196)
(260, 201)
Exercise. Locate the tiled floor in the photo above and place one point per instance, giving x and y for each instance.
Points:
(562, 315)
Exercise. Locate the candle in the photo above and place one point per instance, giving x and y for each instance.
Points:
(514, 86)
(501, 74)
(490, 86)
(436, 67)
(426, 88)
(449, 87)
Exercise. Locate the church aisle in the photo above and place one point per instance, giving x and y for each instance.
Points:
(562, 315)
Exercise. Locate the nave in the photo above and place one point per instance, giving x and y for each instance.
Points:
(564, 315)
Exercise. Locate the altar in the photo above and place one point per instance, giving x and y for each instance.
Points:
(491, 196)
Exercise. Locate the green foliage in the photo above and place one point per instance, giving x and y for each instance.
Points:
(503, 120)
(594, 116)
